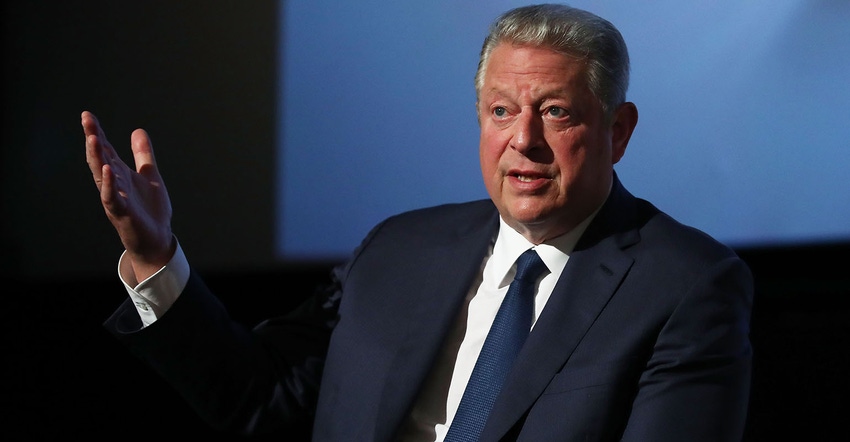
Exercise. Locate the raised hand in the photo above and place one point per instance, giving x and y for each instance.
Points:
(136, 201)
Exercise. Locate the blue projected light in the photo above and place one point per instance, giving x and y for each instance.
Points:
(743, 106)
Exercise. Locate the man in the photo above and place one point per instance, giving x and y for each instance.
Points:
(639, 328)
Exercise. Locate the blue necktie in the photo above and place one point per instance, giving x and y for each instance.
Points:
(505, 339)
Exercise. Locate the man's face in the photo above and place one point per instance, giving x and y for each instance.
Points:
(546, 148)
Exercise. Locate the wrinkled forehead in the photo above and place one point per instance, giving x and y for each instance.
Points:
(533, 62)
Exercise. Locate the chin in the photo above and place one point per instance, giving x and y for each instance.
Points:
(530, 211)
(529, 218)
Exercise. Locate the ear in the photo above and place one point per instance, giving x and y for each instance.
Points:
(623, 123)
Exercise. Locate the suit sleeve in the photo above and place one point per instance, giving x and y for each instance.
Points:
(696, 384)
(240, 380)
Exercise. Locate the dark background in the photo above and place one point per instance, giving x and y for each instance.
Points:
(200, 77)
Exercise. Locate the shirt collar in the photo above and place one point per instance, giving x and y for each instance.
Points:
(510, 244)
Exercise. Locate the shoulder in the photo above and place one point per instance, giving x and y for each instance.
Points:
(422, 238)
(644, 231)
(451, 214)
(672, 262)
(429, 227)
(675, 258)
(654, 238)
(670, 238)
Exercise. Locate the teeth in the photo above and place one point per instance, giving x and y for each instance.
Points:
(524, 179)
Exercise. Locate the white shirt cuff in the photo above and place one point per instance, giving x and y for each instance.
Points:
(156, 294)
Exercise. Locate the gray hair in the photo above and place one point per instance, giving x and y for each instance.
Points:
(570, 31)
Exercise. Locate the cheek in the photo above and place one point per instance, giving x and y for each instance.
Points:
(490, 156)
(579, 155)
(489, 153)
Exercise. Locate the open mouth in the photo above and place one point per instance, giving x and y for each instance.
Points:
(526, 177)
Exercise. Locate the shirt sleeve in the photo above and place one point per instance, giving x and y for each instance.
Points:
(156, 294)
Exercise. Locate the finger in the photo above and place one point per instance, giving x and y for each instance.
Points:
(91, 127)
(142, 148)
(114, 202)
(97, 159)
(99, 152)
(89, 122)
(94, 158)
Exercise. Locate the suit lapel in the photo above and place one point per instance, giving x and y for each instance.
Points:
(595, 269)
(588, 282)
(432, 314)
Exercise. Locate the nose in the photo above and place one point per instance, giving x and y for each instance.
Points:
(527, 132)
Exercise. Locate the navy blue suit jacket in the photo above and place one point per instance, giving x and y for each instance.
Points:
(644, 338)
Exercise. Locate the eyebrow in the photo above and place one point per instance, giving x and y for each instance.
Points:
(560, 92)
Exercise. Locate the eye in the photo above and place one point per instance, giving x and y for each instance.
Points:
(556, 112)
(500, 112)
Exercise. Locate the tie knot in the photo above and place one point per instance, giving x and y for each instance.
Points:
(529, 266)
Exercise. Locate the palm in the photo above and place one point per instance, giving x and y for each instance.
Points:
(136, 201)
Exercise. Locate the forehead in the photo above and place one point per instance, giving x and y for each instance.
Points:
(519, 67)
